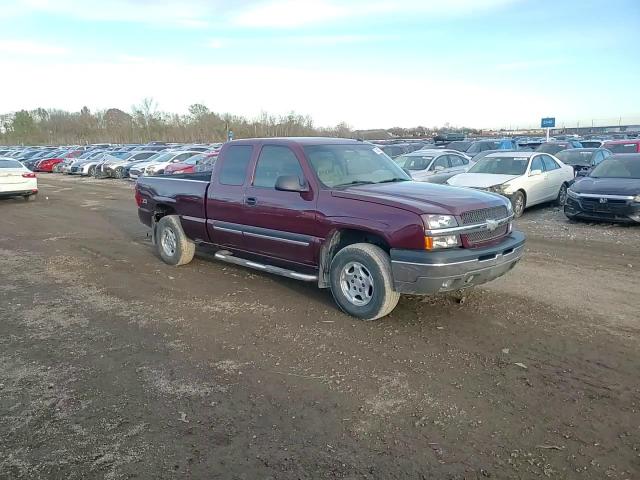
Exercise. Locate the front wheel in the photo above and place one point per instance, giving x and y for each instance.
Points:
(518, 203)
(562, 195)
(362, 283)
(119, 172)
(92, 171)
(174, 247)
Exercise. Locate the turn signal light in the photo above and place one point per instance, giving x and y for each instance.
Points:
(29, 175)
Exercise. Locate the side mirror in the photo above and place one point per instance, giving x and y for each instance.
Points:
(290, 183)
(534, 173)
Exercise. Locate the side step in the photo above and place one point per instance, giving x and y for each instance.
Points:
(229, 258)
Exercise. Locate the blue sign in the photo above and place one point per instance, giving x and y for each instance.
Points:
(229, 135)
(548, 122)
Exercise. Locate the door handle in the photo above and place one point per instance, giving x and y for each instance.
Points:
(251, 201)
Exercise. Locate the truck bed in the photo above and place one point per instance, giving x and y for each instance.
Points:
(185, 194)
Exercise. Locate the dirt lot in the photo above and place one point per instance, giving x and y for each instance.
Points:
(115, 365)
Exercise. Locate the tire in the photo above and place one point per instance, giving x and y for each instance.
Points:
(173, 245)
(119, 173)
(518, 202)
(92, 171)
(362, 283)
(562, 195)
(30, 198)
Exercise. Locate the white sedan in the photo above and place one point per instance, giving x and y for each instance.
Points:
(16, 180)
(433, 165)
(526, 178)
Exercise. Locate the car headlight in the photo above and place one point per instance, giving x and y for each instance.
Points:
(635, 199)
(442, 241)
(436, 222)
(573, 194)
(501, 189)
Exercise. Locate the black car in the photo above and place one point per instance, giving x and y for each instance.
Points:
(611, 191)
(583, 159)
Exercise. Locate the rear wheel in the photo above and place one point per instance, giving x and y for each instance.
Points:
(30, 198)
(518, 203)
(362, 283)
(119, 172)
(174, 247)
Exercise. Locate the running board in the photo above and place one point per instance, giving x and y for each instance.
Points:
(229, 258)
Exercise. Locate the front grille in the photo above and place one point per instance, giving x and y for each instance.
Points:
(594, 205)
(486, 236)
(75, 169)
(482, 215)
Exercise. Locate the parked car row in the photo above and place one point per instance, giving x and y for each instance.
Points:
(117, 161)
(553, 172)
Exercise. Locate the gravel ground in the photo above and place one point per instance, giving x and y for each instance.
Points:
(114, 365)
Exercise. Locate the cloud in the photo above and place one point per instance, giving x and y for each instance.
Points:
(328, 95)
(299, 13)
(199, 14)
(31, 48)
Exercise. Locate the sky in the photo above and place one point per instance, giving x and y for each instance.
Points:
(369, 63)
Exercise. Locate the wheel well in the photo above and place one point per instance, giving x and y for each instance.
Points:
(162, 211)
(340, 239)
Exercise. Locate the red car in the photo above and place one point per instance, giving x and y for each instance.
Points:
(47, 164)
(190, 164)
(623, 146)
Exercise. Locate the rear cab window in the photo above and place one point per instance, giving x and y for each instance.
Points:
(233, 170)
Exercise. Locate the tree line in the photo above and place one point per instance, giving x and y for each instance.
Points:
(145, 123)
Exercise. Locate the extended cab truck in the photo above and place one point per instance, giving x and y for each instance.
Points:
(336, 212)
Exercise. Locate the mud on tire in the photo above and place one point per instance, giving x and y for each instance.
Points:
(173, 245)
(362, 283)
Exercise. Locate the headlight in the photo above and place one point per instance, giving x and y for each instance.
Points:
(502, 188)
(444, 241)
(436, 222)
(573, 194)
(509, 208)
(635, 199)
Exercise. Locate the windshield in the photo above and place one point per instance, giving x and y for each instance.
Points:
(501, 165)
(162, 157)
(342, 165)
(10, 164)
(459, 146)
(618, 168)
(579, 158)
(413, 162)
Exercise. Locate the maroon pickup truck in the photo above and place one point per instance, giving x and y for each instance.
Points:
(336, 212)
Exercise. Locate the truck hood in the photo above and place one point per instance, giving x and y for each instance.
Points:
(421, 197)
(479, 180)
(607, 186)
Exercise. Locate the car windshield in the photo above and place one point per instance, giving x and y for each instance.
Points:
(413, 162)
(580, 158)
(503, 165)
(10, 164)
(162, 157)
(343, 165)
(618, 168)
(460, 146)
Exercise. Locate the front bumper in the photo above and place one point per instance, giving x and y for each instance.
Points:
(623, 211)
(421, 272)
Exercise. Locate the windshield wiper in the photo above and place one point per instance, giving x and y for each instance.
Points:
(355, 182)
(393, 180)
